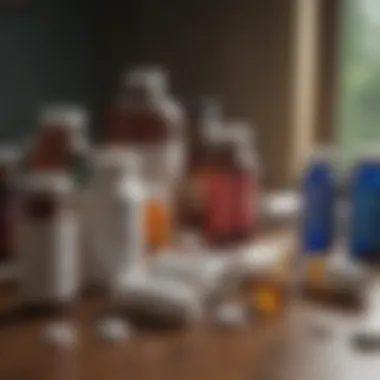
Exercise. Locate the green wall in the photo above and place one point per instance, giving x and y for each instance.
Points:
(48, 53)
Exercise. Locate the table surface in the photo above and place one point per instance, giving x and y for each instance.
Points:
(196, 353)
(287, 348)
(310, 342)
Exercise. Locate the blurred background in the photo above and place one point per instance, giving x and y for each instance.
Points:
(249, 53)
(304, 74)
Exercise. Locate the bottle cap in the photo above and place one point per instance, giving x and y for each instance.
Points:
(48, 182)
(70, 116)
(148, 78)
(117, 158)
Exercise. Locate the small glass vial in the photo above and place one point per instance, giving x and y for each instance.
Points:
(49, 254)
(9, 157)
(159, 218)
(62, 143)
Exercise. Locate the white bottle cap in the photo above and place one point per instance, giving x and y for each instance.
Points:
(48, 182)
(70, 116)
(117, 158)
(147, 78)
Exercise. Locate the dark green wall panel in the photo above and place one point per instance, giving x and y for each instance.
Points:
(48, 52)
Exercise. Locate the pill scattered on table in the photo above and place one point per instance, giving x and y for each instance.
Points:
(60, 335)
(231, 315)
(114, 329)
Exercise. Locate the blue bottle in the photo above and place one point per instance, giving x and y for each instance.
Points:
(318, 208)
(365, 211)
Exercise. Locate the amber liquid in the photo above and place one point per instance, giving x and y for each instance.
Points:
(52, 150)
(270, 297)
(126, 127)
(159, 225)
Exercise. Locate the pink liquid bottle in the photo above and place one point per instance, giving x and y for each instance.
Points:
(233, 188)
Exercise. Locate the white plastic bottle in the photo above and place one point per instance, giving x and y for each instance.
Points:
(49, 240)
(118, 217)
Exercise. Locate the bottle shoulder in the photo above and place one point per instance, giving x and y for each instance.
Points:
(165, 107)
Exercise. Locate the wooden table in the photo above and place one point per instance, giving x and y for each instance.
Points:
(290, 348)
(309, 354)
(278, 349)
(196, 353)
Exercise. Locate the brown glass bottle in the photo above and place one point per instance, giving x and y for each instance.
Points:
(61, 139)
(147, 120)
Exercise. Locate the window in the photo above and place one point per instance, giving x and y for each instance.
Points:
(359, 77)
